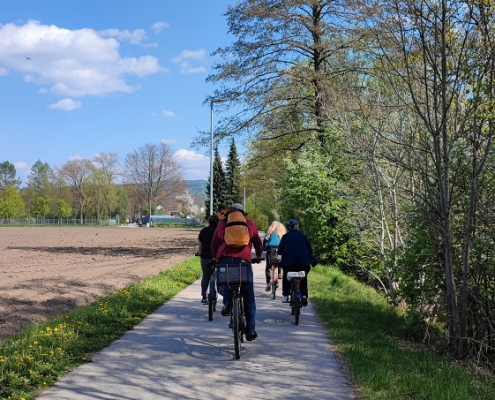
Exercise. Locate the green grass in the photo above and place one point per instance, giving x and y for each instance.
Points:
(370, 338)
(37, 357)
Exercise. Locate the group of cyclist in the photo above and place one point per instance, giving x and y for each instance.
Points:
(288, 242)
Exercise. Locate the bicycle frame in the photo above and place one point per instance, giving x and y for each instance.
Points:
(212, 294)
(274, 279)
(295, 293)
(237, 319)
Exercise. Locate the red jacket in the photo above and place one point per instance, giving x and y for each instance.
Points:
(219, 248)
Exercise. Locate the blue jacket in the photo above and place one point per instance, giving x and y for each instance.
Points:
(295, 249)
(273, 241)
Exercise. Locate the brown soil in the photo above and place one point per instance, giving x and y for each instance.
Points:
(45, 272)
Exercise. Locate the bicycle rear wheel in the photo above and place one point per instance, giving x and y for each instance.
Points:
(237, 326)
(297, 306)
(211, 298)
(274, 282)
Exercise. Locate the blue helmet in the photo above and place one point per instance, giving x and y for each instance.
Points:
(292, 225)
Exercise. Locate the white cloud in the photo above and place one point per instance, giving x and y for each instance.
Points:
(194, 165)
(137, 36)
(190, 55)
(168, 113)
(65, 105)
(169, 141)
(158, 27)
(3, 71)
(74, 63)
(184, 59)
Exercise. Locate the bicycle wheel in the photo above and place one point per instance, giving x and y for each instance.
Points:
(297, 306)
(274, 283)
(237, 326)
(292, 297)
(211, 299)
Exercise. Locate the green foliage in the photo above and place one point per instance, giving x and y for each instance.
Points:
(42, 207)
(233, 179)
(311, 193)
(370, 335)
(8, 175)
(36, 358)
(11, 204)
(64, 210)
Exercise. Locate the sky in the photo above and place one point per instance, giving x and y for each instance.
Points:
(84, 77)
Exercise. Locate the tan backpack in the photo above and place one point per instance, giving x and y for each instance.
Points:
(236, 231)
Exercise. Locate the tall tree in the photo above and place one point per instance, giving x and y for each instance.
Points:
(40, 178)
(233, 181)
(75, 174)
(11, 205)
(281, 64)
(219, 187)
(8, 175)
(154, 173)
(101, 185)
(439, 55)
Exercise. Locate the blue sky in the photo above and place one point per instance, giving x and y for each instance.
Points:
(83, 77)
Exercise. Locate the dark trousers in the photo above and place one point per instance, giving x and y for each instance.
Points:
(207, 271)
(304, 281)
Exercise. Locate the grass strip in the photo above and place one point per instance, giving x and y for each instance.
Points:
(36, 358)
(370, 337)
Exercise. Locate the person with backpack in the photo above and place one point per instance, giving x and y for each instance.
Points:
(297, 255)
(232, 243)
(270, 244)
(204, 252)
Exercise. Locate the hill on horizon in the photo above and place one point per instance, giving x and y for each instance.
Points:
(197, 187)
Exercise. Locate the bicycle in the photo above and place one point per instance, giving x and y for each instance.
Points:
(239, 273)
(274, 260)
(274, 273)
(212, 292)
(295, 293)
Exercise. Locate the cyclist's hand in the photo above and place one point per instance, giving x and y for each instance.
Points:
(196, 254)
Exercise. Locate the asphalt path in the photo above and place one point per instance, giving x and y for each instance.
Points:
(176, 353)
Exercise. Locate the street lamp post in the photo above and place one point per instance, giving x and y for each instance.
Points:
(212, 101)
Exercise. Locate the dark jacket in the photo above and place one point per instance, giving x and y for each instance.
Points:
(205, 237)
(295, 249)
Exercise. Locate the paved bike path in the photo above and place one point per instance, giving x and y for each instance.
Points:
(176, 353)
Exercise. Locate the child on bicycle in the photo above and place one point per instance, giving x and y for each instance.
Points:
(297, 255)
(271, 241)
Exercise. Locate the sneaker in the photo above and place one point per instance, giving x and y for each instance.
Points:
(251, 336)
(285, 299)
(203, 300)
(304, 301)
(268, 287)
(226, 310)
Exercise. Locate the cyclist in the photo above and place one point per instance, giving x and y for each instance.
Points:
(204, 252)
(297, 255)
(224, 253)
(270, 244)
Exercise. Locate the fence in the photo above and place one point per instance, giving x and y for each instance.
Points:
(158, 221)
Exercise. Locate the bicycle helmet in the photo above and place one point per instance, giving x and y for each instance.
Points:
(292, 225)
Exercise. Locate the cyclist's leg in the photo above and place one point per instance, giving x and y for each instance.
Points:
(205, 280)
(285, 282)
(247, 292)
(268, 267)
